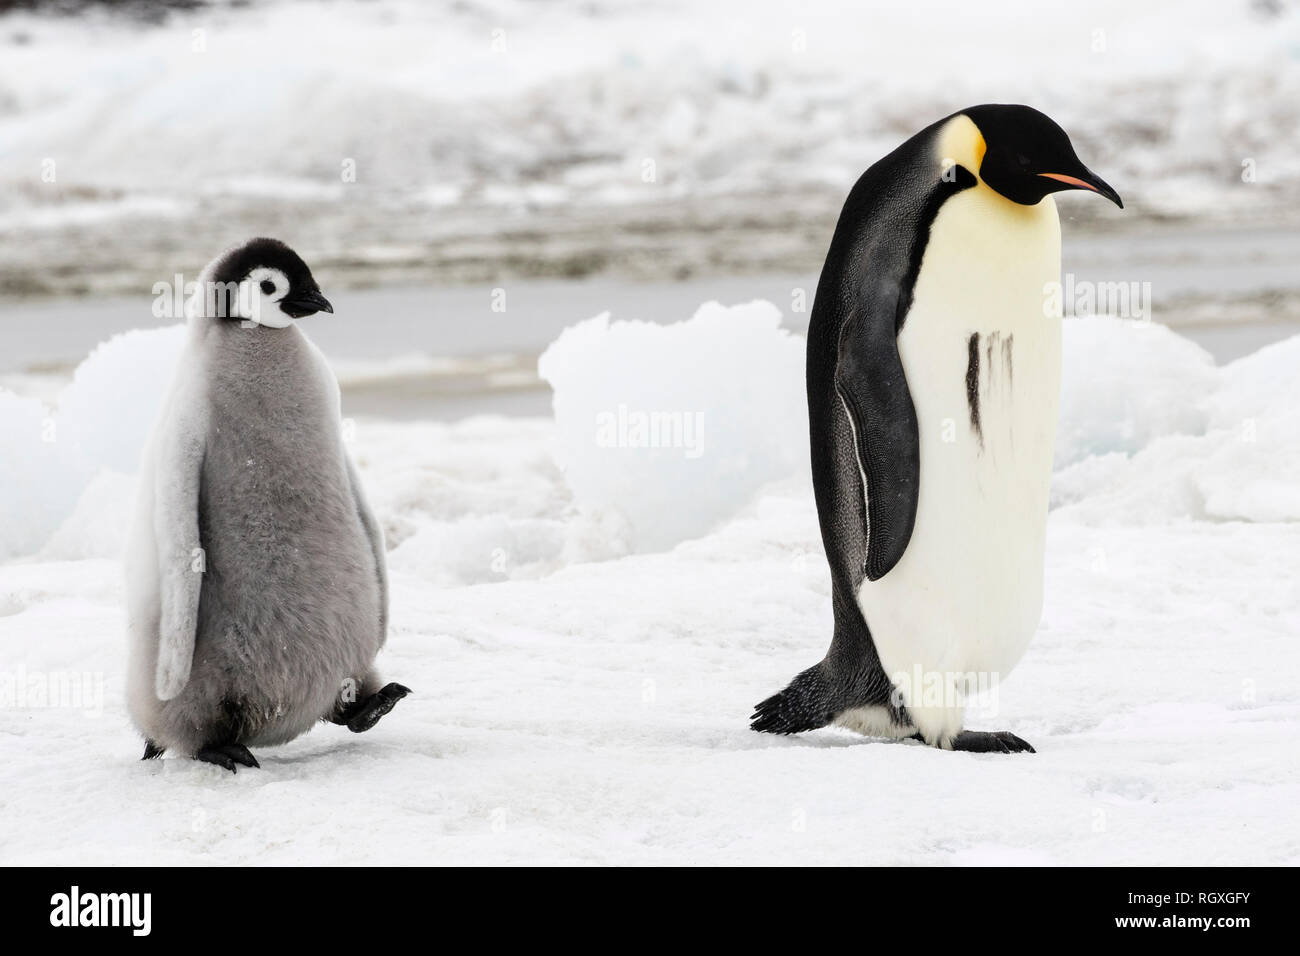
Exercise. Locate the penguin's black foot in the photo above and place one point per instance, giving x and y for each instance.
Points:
(997, 742)
(229, 756)
(152, 751)
(804, 705)
(364, 714)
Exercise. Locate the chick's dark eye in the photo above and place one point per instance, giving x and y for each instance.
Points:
(267, 286)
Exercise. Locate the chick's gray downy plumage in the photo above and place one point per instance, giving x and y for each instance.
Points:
(256, 578)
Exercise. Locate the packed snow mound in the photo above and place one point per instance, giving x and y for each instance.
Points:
(108, 409)
(99, 522)
(1220, 444)
(97, 426)
(1125, 383)
(476, 501)
(1263, 385)
(36, 486)
(675, 427)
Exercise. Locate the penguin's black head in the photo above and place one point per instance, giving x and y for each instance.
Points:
(274, 284)
(1028, 156)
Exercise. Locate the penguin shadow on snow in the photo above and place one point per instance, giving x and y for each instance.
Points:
(316, 757)
(829, 738)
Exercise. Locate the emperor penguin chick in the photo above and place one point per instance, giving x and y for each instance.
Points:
(257, 593)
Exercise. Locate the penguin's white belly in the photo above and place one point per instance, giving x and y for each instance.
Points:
(983, 360)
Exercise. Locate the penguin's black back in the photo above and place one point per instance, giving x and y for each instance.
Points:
(870, 272)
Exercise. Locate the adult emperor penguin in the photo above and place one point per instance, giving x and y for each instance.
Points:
(256, 584)
(934, 369)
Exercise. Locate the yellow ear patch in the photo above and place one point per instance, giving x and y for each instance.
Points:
(960, 142)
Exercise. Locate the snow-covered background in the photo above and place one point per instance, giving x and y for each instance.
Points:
(435, 141)
(584, 658)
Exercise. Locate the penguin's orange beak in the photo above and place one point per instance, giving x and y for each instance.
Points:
(1094, 184)
(1071, 180)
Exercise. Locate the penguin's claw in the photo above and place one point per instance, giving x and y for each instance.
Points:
(369, 711)
(997, 742)
(228, 756)
(152, 751)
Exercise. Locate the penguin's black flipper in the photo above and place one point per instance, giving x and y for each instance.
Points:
(228, 756)
(870, 382)
(364, 714)
(996, 742)
(805, 705)
(859, 312)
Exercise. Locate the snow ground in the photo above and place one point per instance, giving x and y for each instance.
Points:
(582, 688)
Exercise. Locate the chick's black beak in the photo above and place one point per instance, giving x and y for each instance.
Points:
(1085, 178)
(299, 304)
